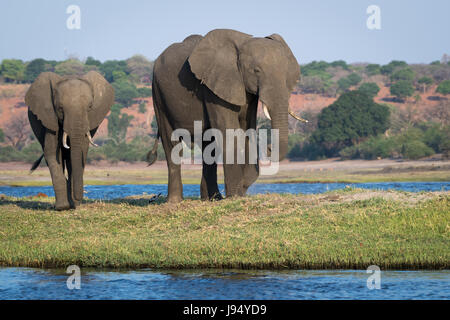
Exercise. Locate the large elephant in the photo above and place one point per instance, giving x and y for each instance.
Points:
(64, 113)
(218, 79)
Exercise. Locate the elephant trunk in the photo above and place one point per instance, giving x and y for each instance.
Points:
(280, 122)
(77, 160)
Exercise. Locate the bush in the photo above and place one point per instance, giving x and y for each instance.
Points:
(370, 149)
(416, 149)
(8, 154)
(444, 87)
(434, 136)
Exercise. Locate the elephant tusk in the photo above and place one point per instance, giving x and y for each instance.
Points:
(266, 111)
(65, 141)
(90, 139)
(293, 115)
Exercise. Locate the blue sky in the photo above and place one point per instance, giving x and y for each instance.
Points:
(415, 31)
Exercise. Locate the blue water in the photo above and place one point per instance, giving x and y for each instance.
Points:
(27, 283)
(193, 190)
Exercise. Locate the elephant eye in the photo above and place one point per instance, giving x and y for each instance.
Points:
(257, 70)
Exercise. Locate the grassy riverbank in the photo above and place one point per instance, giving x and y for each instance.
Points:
(341, 229)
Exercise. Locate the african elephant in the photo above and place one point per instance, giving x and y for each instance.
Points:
(64, 113)
(218, 79)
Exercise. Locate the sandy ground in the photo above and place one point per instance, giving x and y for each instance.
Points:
(328, 164)
(330, 170)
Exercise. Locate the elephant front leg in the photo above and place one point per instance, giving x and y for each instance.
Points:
(209, 190)
(53, 158)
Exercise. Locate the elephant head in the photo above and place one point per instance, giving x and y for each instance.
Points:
(75, 107)
(232, 64)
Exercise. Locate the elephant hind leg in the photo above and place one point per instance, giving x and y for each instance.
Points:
(175, 187)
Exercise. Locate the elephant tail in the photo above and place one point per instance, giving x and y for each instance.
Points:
(152, 155)
(36, 164)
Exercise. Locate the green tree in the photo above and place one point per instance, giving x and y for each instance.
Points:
(109, 66)
(312, 84)
(34, 68)
(92, 62)
(343, 84)
(119, 75)
(141, 69)
(402, 89)
(142, 107)
(339, 63)
(351, 80)
(13, 70)
(444, 87)
(125, 92)
(144, 92)
(354, 79)
(373, 69)
(351, 118)
(392, 66)
(70, 67)
(425, 82)
(2, 135)
(118, 124)
(371, 89)
(403, 74)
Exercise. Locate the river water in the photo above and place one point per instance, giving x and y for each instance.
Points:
(27, 283)
(193, 190)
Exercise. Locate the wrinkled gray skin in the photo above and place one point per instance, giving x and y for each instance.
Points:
(218, 79)
(76, 106)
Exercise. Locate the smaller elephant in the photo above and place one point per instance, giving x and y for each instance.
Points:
(64, 113)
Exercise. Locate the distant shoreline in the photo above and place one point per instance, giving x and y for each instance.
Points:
(323, 171)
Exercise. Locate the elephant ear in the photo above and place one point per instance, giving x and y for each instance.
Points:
(214, 61)
(294, 67)
(39, 98)
(103, 98)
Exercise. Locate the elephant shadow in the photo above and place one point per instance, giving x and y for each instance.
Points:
(28, 204)
(32, 204)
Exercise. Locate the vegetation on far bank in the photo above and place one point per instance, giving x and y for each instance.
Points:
(343, 229)
(353, 127)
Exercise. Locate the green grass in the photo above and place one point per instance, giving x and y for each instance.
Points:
(350, 228)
